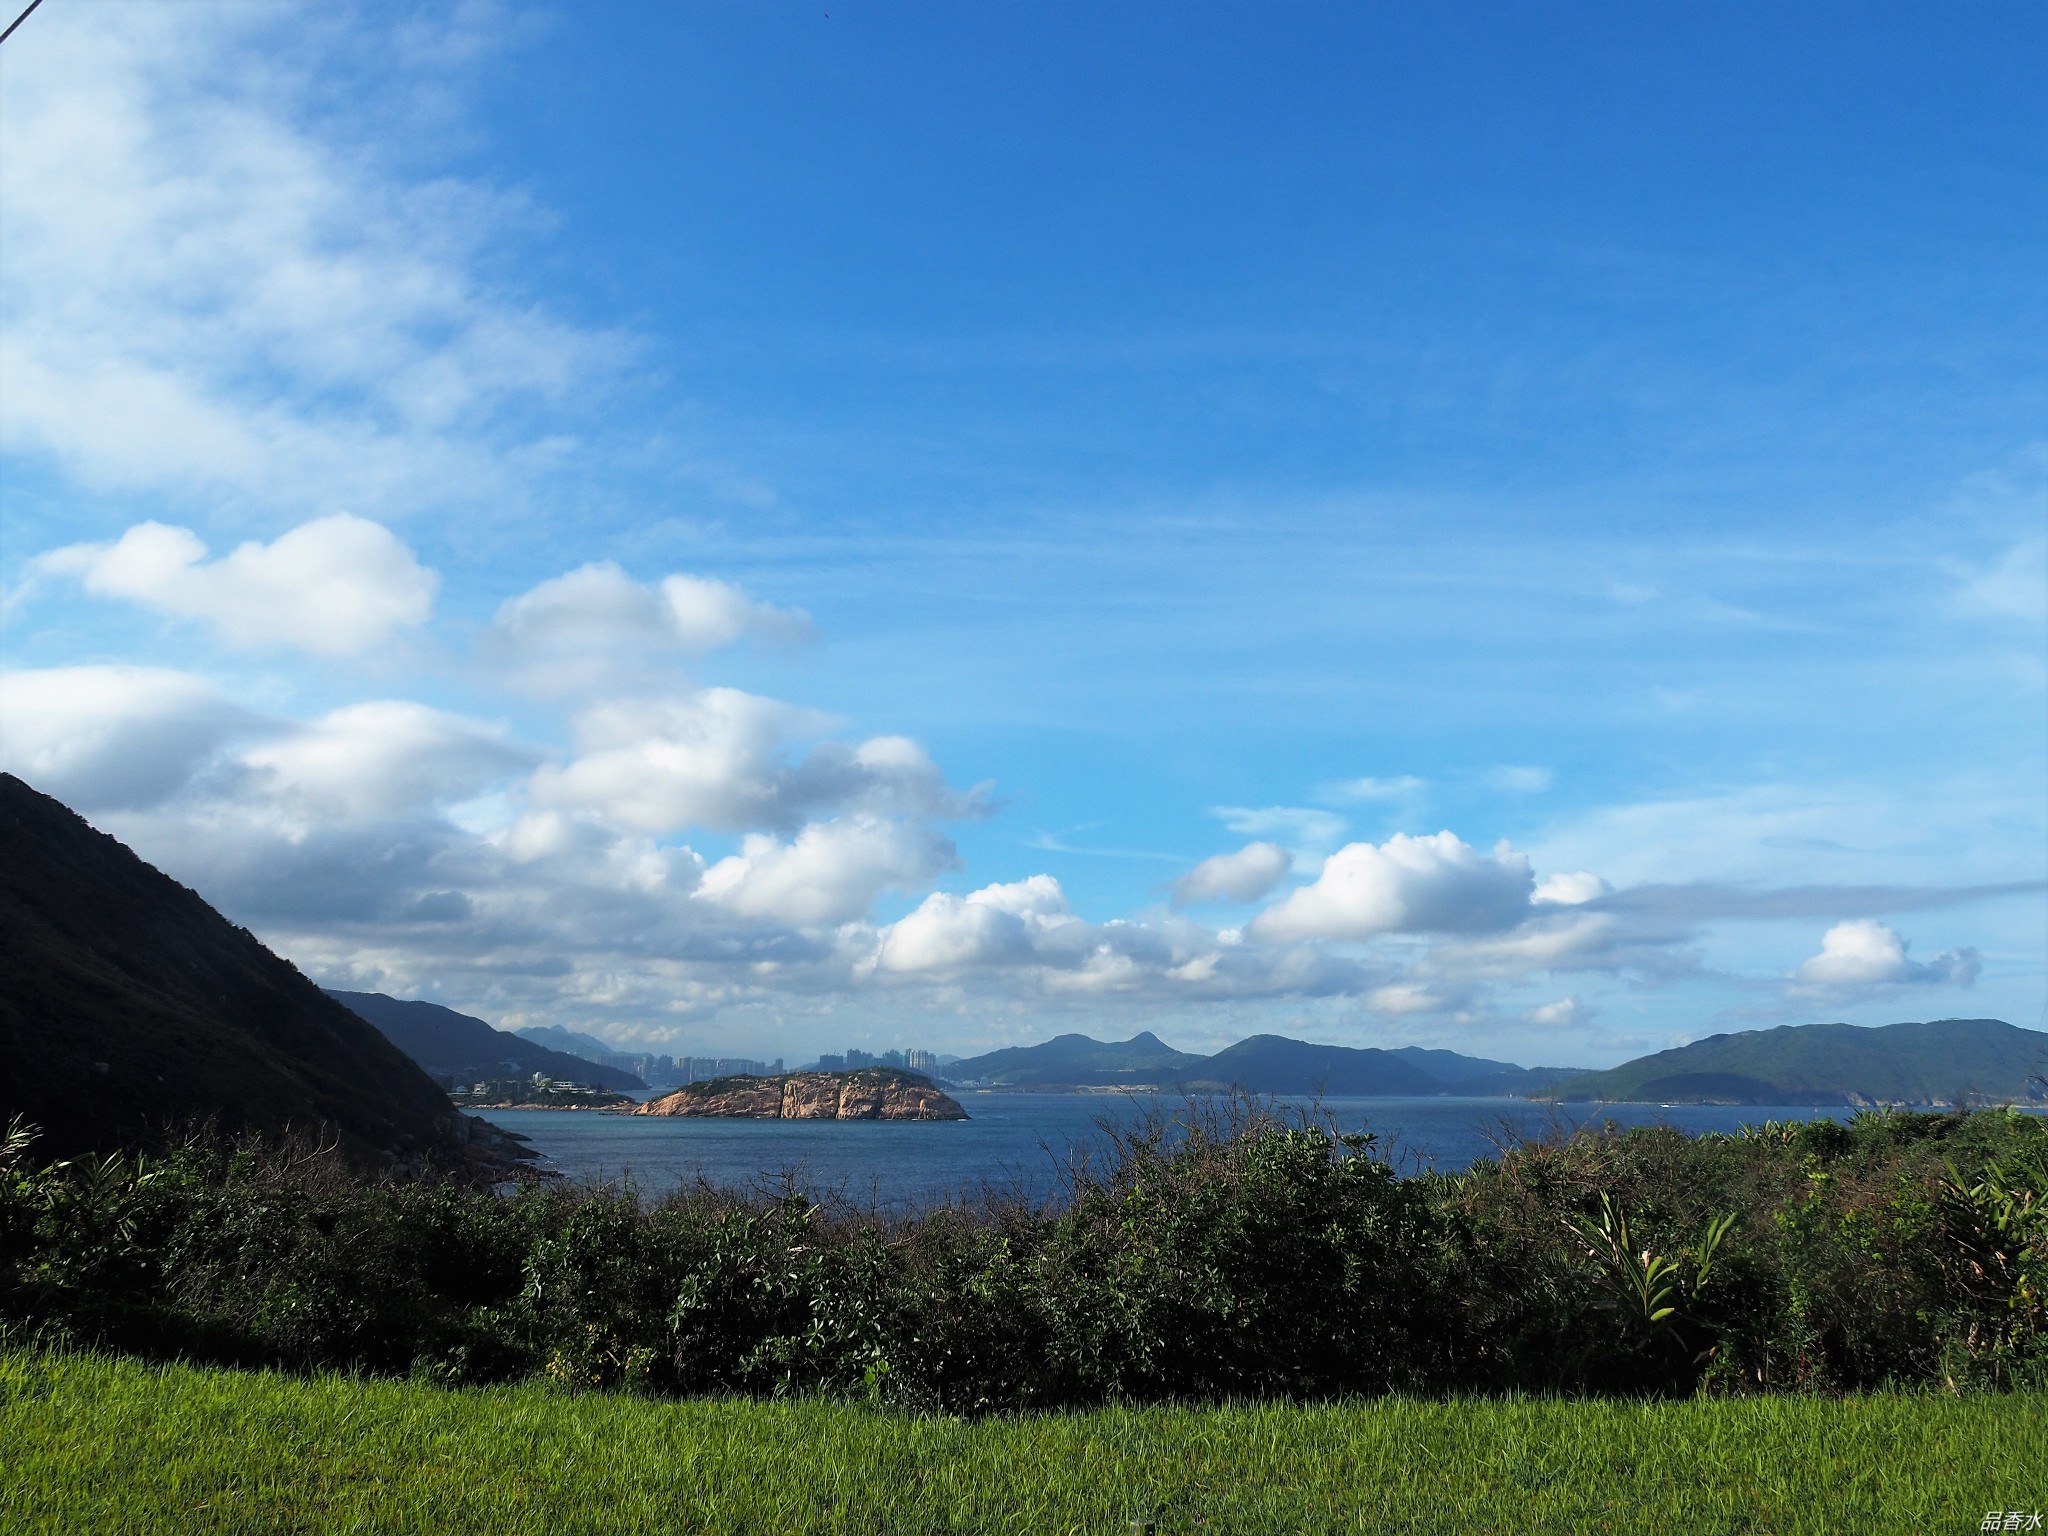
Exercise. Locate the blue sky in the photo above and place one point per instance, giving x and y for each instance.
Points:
(767, 527)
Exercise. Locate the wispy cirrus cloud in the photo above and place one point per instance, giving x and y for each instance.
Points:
(1709, 901)
(210, 289)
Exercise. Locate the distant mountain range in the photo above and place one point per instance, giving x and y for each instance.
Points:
(459, 1046)
(568, 1041)
(1808, 1064)
(129, 1006)
(1938, 1062)
(1262, 1064)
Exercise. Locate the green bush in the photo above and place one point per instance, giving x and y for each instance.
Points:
(1238, 1251)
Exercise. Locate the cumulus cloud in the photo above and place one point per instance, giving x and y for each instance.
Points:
(1245, 875)
(1436, 884)
(335, 586)
(597, 625)
(830, 872)
(1866, 953)
(720, 758)
(384, 758)
(113, 737)
(1026, 931)
(993, 926)
(1562, 1014)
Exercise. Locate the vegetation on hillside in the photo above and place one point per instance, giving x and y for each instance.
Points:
(128, 1004)
(1260, 1064)
(871, 1077)
(100, 1446)
(1943, 1061)
(1242, 1254)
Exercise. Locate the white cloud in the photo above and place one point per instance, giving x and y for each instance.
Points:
(1363, 790)
(830, 872)
(1516, 780)
(335, 586)
(1025, 931)
(597, 626)
(216, 284)
(1562, 1014)
(1744, 835)
(1245, 875)
(1436, 884)
(2015, 587)
(719, 758)
(710, 759)
(993, 926)
(1571, 890)
(704, 613)
(1567, 940)
(1304, 829)
(1866, 953)
(383, 758)
(1408, 997)
(112, 737)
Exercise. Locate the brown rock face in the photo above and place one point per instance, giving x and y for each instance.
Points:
(810, 1096)
(863, 1095)
(913, 1103)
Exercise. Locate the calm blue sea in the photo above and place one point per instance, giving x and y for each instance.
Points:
(1018, 1142)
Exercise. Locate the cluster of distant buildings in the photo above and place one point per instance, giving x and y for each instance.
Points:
(536, 1088)
(675, 1071)
(853, 1059)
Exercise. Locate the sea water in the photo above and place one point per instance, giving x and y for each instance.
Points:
(1025, 1144)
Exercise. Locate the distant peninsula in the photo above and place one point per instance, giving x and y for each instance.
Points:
(872, 1093)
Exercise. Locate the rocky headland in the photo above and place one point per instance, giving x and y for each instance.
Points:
(868, 1094)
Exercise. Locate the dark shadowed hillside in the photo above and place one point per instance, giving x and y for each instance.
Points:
(128, 1004)
(450, 1044)
(1478, 1075)
(1922, 1063)
(1262, 1064)
(1275, 1064)
(1079, 1061)
(569, 1042)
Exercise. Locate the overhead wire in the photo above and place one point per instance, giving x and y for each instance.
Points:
(32, 4)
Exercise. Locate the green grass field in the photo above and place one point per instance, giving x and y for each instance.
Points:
(92, 1445)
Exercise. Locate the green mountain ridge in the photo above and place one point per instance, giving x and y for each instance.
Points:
(1078, 1061)
(1939, 1061)
(1925, 1063)
(1260, 1064)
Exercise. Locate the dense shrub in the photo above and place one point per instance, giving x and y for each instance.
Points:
(1236, 1251)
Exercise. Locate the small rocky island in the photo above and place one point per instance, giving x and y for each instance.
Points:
(872, 1093)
